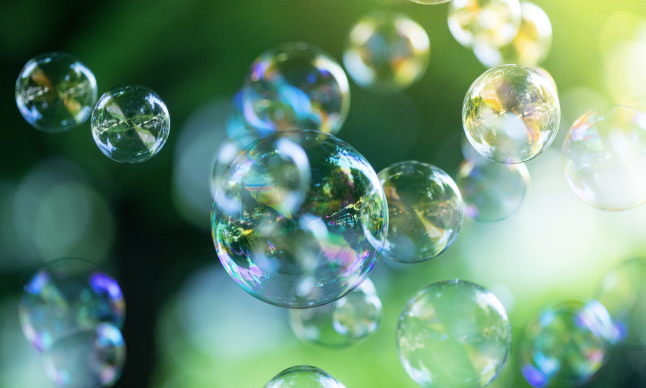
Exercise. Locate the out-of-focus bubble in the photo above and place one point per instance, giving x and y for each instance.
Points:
(66, 296)
(296, 86)
(505, 295)
(511, 114)
(386, 52)
(424, 211)
(238, 129)
(55, 92)
(638, 103)
(484, 23)
(304, 376)
(315, 325)
(130, 124)
(295, 248)
(576, 102)
(453, 334)
(564, 345)
(87, 359)
(224, 156)
(604, 158)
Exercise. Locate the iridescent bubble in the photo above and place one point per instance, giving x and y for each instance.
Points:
(424, 211)
(87, 359)
(453, 334)
(604, 157)
(296, 86)
(296, 248)
(484, 23)
(66, 296)
(386, 52)
(304, 376)
(564, 345)
(55, 92)
(227, 153)
(511, 114)
(130, 124)
(548, 77)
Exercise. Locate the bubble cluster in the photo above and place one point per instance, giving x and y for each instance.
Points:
(304, 376)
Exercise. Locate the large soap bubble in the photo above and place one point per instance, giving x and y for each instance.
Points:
(604, 157)
(484, 23)
(511, 114)
(304, 376)
(453, 334)
(299, 219)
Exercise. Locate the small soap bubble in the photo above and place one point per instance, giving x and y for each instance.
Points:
(296, 86)
(453, 334)
(511, 114)
(424, 211)
(66, 296)
(314, 325)
(604, 157)
(304, 376)
(386, 52)
(358, 314)
(130, 124)
(484, 23)
(55, 92)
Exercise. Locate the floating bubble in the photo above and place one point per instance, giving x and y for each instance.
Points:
(299, 248)
(87, 359)
(484, 23)
(130, 124)
(304, 376)
(386, 52)
(424, 211)
(548, 77)
(511, 114)
(453, 334)
(296, 86)
(66, 296)
(55, 92)
(604, 157)
(314, 325)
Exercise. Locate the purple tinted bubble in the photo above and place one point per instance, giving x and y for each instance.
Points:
(35, 286)
(103, 283)
(534, 377)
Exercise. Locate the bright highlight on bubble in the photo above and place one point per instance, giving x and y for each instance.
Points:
(484, 23)
(304, 376)
(430, 1)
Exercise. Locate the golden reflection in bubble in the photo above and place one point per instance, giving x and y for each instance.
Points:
(484, 23)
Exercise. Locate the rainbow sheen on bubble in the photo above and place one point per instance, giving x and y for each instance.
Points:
(604, 157)
(511, 114)
(304, 376)
(55, 92)
(484, 23)
(386, 52)
(424, 211)
(453, 334)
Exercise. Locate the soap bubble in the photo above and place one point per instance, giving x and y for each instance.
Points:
(296, 86)
(294, 248)
(491, 191)
(304, 376)
(386, 52)
(88, 358)
(227, 153)
(55, 92)
(314, 325)
(548, 77)
(511, 114)
(604, 157)
(66, 296)
(424, 211)
(484, 23)
(130, 124)
(564, 345)
(453, 334)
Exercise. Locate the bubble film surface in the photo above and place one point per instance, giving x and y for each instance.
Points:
(296, 248)
(130, 124)
(604, 157)
(358, 314)
(315, 325)
(424, 211)
(453, 334)
(484, 23)
(304, 376)
(511, 114)
(67, 296)
(55, 92)
(296, 86)
(386, 52)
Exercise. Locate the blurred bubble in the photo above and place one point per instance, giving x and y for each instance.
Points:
(511, 114)
(238, 129)
(304, 376)
(424, 211)
(315, 325)
(604, 158)
(453, 334)
(484, 23)
(505, 295)
(624, 56)
(574, 103)
(386, 52)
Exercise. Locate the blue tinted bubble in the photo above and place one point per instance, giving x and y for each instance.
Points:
(304, 376)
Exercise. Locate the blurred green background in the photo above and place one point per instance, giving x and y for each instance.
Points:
(188, 325)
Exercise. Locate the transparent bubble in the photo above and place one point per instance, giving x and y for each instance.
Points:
(227, 153)
(66, 296)
(491, 191)
(130, 124)
(296, 86)
(304, 376)
(453, 334)
(604, 157)
(55, 92)
(564, 345)
(424, 211)
(548, 77)
(511, 114)
(314, 325)
(484, 23)
(386, 52)
(296, 248)
(88, 358)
